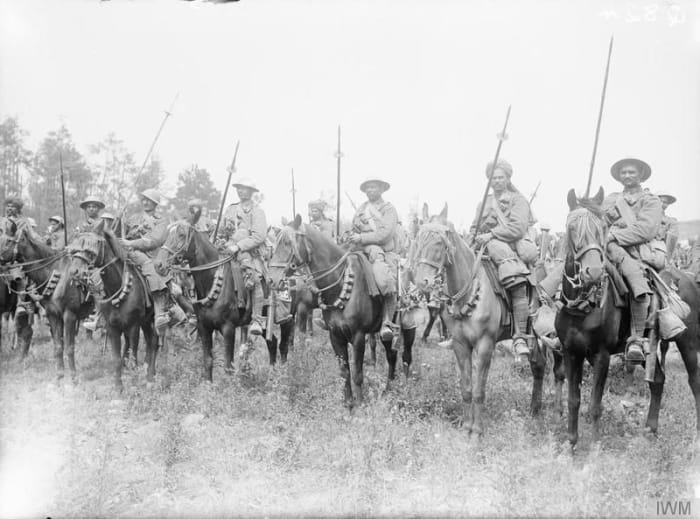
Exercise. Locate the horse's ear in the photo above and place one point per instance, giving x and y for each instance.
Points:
(284, 221)
(599, 196)
(297, 222)
(571, 199)
(443, 213)
(426, 214)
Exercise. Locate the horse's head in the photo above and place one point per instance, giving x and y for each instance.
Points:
(585, 238)
(289, 253)
(432, 249)
(9, 240)
(178, 244)
(87, 251)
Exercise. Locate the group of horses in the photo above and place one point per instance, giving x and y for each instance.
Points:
(338, 280)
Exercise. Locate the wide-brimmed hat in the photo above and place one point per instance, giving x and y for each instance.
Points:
(375, 180)
(643, 167)
(152, 195)
(670, 199)
(502, 165)
(13, 200)
(92, 200)
(57, 219)
(245, 182)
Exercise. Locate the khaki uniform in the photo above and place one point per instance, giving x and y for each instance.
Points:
(668, 234)
(145, 234)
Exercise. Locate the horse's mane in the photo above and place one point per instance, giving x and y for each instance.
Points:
(113, 242)
(33, 239)
(591, 205)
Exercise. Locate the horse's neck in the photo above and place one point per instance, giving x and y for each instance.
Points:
(113, 272)
(31, 253)
(460, 271)
(324, 257)
(204, 253)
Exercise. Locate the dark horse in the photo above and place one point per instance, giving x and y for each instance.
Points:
(598, 330)
(218, 305)
(475, 322)
(127, 307)
(62, 299)
(349, 310)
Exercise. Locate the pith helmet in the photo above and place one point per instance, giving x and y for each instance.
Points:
(643, 167)
(57, 219)
(152, 195)
(669, 198)
(375, 180)
(92, 200)
(245, 182)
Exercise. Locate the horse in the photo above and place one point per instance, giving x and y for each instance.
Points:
(349, 310)
(475, 322)
(64, 301)
(127, 306)
(592, 327)
(218, 305)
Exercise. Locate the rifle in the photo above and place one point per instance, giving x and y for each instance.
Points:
(600, 117)
(223, 198)
(534, 193)
(351, 202)
(338, 155)
(63, 200)
(501, 137)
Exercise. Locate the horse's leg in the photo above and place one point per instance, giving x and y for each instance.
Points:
(559, 376)
(228, 332)
(432, 315)
(601, 363)
(340, 347)
(286, 334)
(114, 337)
(688, 347)
(301, 320)
(372, 349)
(358, 358)
(152, 342)
(538, 364)
(131, 338)
(656, 388)
(484, 352)
(56, 329)
(68, 332)
(391, 358)
(272, 349)
(463, 352)
(409, 337)
(205, 337)
(24, 332)
(574, 372)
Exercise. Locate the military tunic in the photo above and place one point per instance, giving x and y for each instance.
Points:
(56, 240)
(88, 225)
(146, 233)
(245, 225)
(376, 223)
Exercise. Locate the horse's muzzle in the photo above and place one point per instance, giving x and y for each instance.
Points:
(591, 274)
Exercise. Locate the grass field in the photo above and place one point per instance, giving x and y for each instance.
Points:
(278, 442)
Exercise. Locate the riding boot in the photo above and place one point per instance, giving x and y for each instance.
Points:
(162, 318)
(521, 312)
(387, 331)
(639, 308)
(257, 324)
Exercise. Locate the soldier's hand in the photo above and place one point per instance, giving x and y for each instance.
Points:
(355, 238)
(484, 238)
(233, 249)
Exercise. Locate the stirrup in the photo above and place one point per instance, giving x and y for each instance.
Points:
(520, 347)
(255, 329)
(90, 325)
(447, 343)
(634, 351)
(162, 321)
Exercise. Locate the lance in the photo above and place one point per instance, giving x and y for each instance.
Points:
(351, 202)
(223, 198)
(534, 193)
(63, 199)
(294, 198)
(338, 155)
(501, 137)
(168, 113)
(600, 117)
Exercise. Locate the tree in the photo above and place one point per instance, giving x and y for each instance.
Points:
(196, 182)
(45, 181)
(13, 158)
(114, 169)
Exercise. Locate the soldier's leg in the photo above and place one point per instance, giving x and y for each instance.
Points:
(631, 269)
(20, 285)
(158, 288)
(384, 273)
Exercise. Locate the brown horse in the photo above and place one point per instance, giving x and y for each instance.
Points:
(127, 307)
(475, 321)
(64, 302)
(349, 310)
(592, 326)
(218, 305)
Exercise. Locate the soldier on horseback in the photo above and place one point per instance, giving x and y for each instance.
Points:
(145, 233)
(634, 217)
(668, 231)
(319, 220)
(55, 237)
(374, 229)
(503, 231)
(245, 231)
(91, 206)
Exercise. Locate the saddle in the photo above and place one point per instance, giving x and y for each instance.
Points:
(141, 279)
(366, 267)
(503, 298)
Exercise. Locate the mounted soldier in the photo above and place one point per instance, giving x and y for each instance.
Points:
(503, 231)
(55, 237)
(634, 217)
(245, 230)
(374, 229)
(668, 231)
(91, 207)
(318, 219)
(146, 231)
(13, 214)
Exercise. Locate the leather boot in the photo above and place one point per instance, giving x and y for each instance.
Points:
(521, 313)
(387, 331)
(639, 308)
(162, 318)
(257, 324)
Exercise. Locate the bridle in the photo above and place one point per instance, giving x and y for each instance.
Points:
(176, 256)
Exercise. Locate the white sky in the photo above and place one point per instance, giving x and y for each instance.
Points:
(419, 88)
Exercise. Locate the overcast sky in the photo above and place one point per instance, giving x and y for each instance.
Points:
(420, 90)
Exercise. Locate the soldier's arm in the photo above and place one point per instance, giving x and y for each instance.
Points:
(152, 240)
(386, 227)
(257, 232)
(516, 226)
(644, 228)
